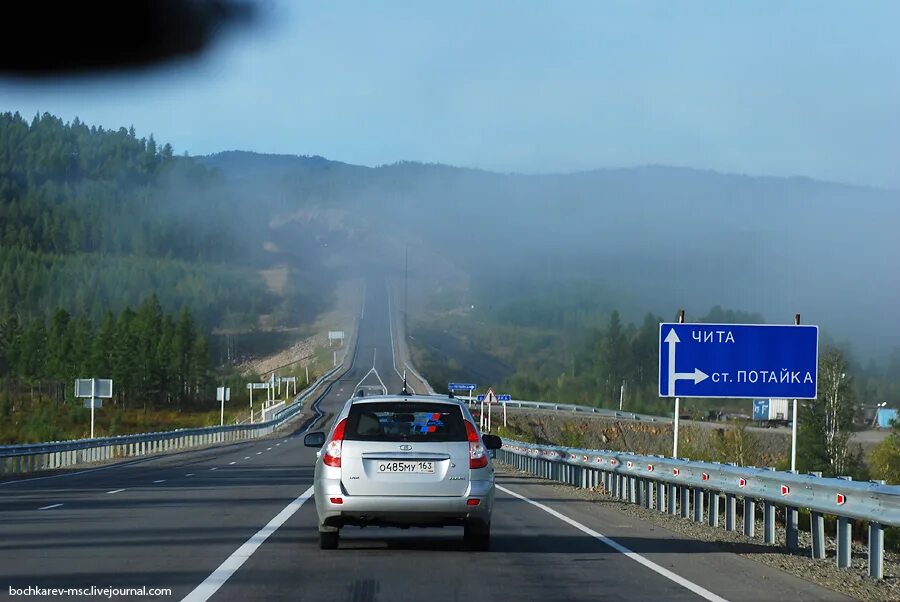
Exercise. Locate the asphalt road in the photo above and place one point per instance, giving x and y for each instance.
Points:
(236, 523)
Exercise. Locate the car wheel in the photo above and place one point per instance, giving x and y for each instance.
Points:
(477, 537)
(328, 540)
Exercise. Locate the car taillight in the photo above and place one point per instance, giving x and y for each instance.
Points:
(477, 455)
(333, 449)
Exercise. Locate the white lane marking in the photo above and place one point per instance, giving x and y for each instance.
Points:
(160, 481)
(116, 491)
(218, 577)
(277, 444)
(268, 449)
(232, 463)
(50, 506)
(700, 591)
(190, 474)
(246, 457)
(391, 330)
(286, 440)
(258, 453)
(214, 468)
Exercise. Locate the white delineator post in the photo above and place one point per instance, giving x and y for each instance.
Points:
(794, 420)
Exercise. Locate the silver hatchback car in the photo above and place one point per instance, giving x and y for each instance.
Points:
(404, 461)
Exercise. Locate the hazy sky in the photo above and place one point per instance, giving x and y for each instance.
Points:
(799, 88)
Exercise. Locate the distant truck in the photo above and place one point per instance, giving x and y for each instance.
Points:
(771, 412)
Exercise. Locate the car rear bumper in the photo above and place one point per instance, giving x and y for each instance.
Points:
(401, 510)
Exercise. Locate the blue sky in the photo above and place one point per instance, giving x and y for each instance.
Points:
(799, 88)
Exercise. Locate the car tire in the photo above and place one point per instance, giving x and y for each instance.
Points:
(328, 540)
(477, 537)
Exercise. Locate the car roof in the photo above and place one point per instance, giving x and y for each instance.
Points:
(406, 399)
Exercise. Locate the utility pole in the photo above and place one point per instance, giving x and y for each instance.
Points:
(794, 420)
(406, 289)
(621, 395)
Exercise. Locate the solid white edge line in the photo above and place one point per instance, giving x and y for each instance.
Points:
(690, 585)
(50, 506)
(160, 481)
(116, 490)
(218, 577)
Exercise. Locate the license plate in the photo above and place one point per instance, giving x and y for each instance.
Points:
(400, 466)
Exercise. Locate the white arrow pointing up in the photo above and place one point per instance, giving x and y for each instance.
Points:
(697, 375)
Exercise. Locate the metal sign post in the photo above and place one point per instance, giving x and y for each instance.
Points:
(94, 389)
(794, 420)
(223, 394)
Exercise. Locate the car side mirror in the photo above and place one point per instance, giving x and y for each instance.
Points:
(314, 440)
(492, 441)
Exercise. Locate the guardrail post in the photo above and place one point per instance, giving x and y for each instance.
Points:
(730, 511)
(749, 516)
(631, 490)
(698, 505)
(672, 498)
(713, 509)
(876, 550)
(817, 530)
(768, 522)
(791, 528)
(660, 496)
(685, 501)
(648, 493)
(843, 542)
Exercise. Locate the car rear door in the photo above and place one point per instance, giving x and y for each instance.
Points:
(405, 448)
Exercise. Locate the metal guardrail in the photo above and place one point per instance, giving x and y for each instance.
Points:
(32, 457)
(574, 408)
(675, 486)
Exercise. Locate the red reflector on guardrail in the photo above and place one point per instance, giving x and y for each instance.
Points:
(629, 464)
(742, 482)
(613, 462)
(841, 498)
(571, 456)
(649, 467)
(599, 460)
(676, 472)
(704, 476)
(785, 490)
(584, 458)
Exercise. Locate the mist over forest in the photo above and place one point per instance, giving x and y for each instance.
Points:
(543, 249)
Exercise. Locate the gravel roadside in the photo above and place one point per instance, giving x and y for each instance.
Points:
(853, 582)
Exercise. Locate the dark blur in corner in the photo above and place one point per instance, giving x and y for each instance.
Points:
(48, 39)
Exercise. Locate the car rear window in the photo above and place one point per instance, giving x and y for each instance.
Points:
(405, 421)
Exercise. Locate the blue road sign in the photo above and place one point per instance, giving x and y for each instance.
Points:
(738, 360)
(504, 398)
(479, 398)
(461, 387)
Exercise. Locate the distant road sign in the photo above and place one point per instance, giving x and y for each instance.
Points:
(258, 385)
(479, 398)
(461, 386)
(223, 393)
(504, 397)
(102, 387)
(738, 360)
(334, 335)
